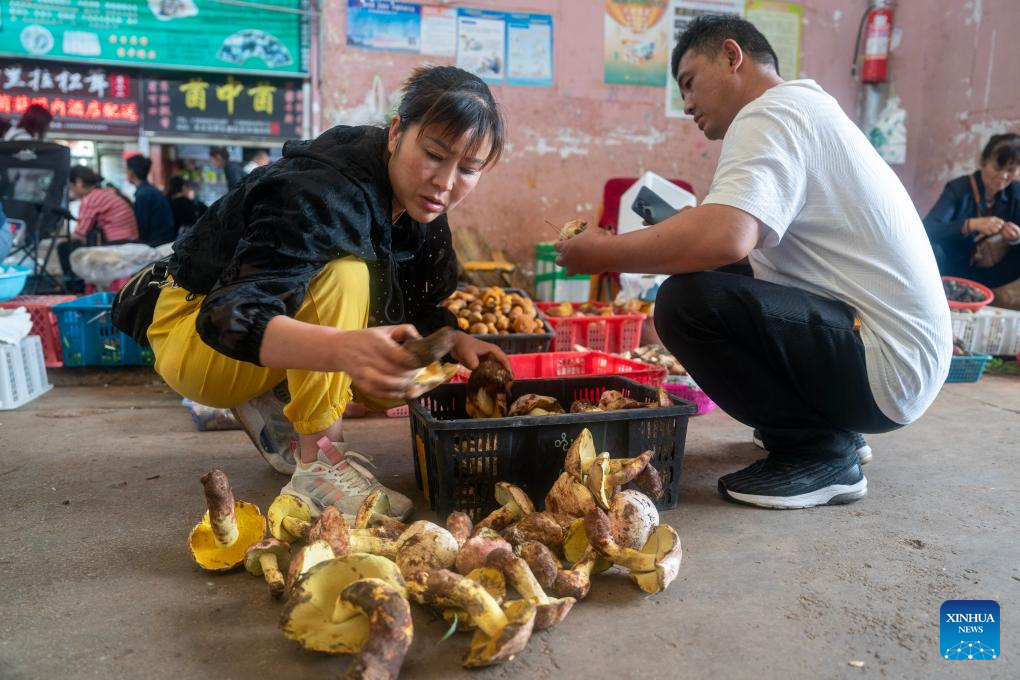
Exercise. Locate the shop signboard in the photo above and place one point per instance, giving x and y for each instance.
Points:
(269, 36)
(84, 100)
(224, 105)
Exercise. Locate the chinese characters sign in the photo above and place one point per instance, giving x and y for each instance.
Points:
(223, 105)
(269, 36)
(82, 99)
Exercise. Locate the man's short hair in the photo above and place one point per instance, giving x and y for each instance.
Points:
(220, 152)
(140, 165)
(707, 33)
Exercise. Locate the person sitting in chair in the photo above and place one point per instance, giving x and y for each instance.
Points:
(105, 216)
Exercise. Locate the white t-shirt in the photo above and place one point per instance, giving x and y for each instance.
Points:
(838, 223)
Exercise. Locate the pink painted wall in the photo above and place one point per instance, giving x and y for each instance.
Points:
(949, 68)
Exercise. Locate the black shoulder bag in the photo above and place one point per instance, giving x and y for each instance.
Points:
(136, 301)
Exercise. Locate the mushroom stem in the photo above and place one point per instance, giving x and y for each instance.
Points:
(519, 574)
(297, 527)
(374, 545)
(271, 572)
(390, 630)
(342, 611)
(220, 500)
(442, 586)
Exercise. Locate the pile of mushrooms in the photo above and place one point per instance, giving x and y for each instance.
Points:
(347, 584)
(493, 311)
(656, 355)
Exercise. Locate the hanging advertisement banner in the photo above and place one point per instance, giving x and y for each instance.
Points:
(270, 36)
(82, 99)
(635, 42)
(223, 105)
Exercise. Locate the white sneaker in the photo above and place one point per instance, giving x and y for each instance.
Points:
(272, 434)
(344, 484)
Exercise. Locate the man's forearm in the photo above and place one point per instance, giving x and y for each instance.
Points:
(694, 240)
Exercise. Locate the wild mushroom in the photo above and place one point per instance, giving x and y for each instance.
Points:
(649, 482)
(375, 511)
(500, 635)
(425, 547)
(317, 617)
(267, 558)
(494, 583)
(548, 610)
(432, 347)
(514, 503)
(459, 525)
(488, 389)
(219, 541)
(390, 630)
(632, 517)
(476, 549)
(289, 518)
(548, 528)
(541, 561)
(572, 228)
(332, 528)
(576, 581)
(606, 476)
(569, 497)
(664, 544)
(580, 456)
(583, 406)
(613, 400)
(535, 405)
(307, 557)
(429, 378)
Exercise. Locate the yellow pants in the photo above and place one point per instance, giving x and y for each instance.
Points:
(338, 296)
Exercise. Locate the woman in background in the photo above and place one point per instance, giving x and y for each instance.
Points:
(185, 208)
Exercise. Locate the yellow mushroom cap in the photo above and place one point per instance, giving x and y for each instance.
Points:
(208, 554)
(286, 505)
(314, 617)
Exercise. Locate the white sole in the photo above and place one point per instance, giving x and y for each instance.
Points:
(836, 494)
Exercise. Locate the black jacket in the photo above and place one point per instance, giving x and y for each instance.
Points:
(254, 251)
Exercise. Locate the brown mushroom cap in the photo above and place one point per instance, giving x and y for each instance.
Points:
(476, 549)
(542, 562)
(632, 516)
(569, 497)
(332, 528)
(390, 630)
(425, 546)
(525, 404)
(459, 525)
(548, 528)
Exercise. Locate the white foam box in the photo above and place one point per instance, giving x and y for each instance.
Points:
(22, 372)
(990, 330)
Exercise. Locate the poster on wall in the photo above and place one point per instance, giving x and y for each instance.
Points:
(383, 25)
(438, 31)
(269, 36)
(780, 23)
(83, 99)
(223, 105)
(529, 59)
(678, 15)
(481, 43)
(635, 42)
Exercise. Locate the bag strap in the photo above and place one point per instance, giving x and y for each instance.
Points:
(977, 195)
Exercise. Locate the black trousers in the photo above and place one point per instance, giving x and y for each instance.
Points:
(776, 358)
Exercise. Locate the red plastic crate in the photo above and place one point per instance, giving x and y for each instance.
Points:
(616, 333)
(44, 322)
(578, 364)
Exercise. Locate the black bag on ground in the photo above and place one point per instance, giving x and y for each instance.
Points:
(136, 301)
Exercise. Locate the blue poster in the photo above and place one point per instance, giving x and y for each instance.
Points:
(481, 43)
(384, 25)
(529, 49)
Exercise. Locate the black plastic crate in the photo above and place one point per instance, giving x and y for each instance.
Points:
(521, 343)
(457, 460)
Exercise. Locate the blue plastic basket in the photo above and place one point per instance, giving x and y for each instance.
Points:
(12, 280)
(967, 368)
(88, 338)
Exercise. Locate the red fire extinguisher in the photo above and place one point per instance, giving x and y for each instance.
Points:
(876, 27)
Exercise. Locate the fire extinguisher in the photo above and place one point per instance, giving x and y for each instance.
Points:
(876, 27)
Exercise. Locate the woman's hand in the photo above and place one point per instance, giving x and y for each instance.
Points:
(986, 226)
(376, 362)
(582, 254)
(468, 349)
(1011, 232)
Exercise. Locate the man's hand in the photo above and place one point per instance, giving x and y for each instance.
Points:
(376, 362)
(583, 254)
(468, 349)
(986, 226)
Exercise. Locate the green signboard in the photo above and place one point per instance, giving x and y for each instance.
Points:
(268, 36)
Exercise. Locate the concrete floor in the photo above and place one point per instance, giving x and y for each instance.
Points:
(100, 488)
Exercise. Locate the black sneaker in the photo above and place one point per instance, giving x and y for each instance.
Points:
(783, 484)
(860, 445)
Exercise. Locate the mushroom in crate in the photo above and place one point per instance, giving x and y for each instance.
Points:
(493, 311)
(488, 389)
